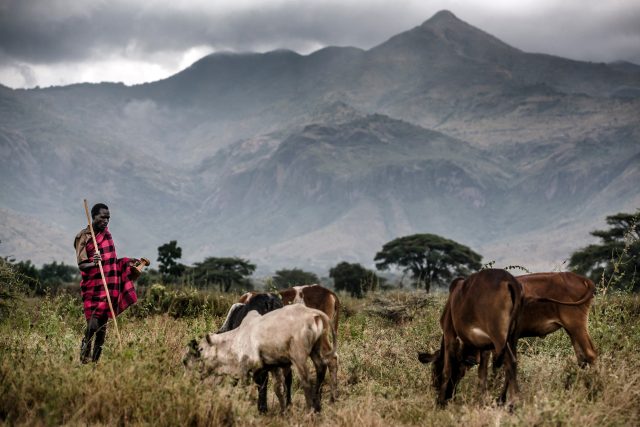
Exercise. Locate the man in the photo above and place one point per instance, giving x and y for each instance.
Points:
(118, 274)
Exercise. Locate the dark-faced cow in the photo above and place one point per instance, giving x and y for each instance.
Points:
(262, 303)
(320, 298)
(553, 301)
(288, 336)
(481, 313)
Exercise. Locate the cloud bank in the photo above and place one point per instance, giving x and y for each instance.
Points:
(53, 42)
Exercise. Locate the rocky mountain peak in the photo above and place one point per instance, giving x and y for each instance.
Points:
(443, 17)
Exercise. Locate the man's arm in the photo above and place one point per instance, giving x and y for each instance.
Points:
(84, 263)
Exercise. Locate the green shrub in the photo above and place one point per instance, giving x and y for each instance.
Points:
(177, 303)
(12, 287)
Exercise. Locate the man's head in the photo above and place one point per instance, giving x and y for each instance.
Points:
(100, 216)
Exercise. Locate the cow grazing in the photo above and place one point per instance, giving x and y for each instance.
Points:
(553, 301)
(262, 303)
(284, 337)
(320, 298)
(481, 313)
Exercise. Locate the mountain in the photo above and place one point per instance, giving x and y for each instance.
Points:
(307, 160)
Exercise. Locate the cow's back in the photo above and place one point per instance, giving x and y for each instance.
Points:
(314, 296)
(485, 308)
(275, 331)
(565, 286)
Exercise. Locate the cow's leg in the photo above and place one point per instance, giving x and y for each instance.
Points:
(448, 374)
(510, 374)
(300, 365)
(321, 370)
(278, 376)
(288, 380)
(261, 378)
(574, 320)
(582, 345)
(483, 368)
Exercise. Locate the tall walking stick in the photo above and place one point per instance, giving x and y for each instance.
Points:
(104, 280)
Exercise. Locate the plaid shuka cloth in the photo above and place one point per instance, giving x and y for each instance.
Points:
(116, 272)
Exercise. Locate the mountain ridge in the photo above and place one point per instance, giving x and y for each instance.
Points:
(442, 128)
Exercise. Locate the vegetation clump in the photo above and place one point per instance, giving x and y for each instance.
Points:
(380, 378)
(614, 262)
(431, 259)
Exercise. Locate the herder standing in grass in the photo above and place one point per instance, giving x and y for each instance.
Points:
(119, 275)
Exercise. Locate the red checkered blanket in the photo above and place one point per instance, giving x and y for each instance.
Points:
(116, 272)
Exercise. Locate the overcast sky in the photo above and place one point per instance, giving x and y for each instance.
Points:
(58, 42)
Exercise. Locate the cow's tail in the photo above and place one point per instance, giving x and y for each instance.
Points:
(517, 299)
(325, 326)
(334, 321)
(517, 296)
(588, 295)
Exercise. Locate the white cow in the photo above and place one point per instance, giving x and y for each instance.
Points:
(283, 337)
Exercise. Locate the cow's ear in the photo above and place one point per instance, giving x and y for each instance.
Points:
(209, 339)
(428, 357)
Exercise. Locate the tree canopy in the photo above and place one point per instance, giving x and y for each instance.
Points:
(353, 278)
(287, 278)
(168, 256)
(224, 272)
(615, 261)
(46, 279)
(431, 259)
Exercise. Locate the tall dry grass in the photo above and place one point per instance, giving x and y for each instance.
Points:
(381, 382)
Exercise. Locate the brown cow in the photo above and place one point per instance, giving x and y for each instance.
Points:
(320, 298)
(554, 301)
(481, 313)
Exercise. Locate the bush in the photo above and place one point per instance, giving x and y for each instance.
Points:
(177, 303)
(12, 287)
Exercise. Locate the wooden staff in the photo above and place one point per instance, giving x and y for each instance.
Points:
(104, 280)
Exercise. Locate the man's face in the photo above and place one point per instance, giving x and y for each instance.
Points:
(101, 220)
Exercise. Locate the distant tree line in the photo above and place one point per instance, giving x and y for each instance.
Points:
(429, 260)
(46, 279)
(614, 263)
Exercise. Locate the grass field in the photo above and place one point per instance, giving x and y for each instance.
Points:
(380, 380)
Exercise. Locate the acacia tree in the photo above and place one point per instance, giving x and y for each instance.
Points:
(615, 262)
(168, 256)
(353, 278)
(286, 278)
(431, 259)
(222, 271)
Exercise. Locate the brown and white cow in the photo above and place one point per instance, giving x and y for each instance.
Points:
(314, 296)
(283, 337)
(481, 313)
(553, 301)
(320, 298)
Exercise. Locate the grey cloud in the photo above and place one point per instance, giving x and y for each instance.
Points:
(53, 31)
(584, 30)
(27, 74)
(27, 34)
